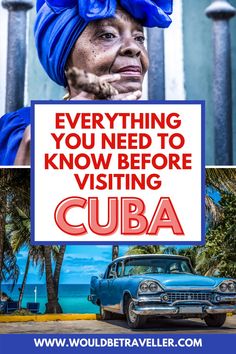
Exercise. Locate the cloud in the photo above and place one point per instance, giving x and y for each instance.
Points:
(103, 246)
(88, 268)
(84, 258)
(78, 262)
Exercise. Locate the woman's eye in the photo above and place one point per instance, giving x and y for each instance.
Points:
(107, 36)
(140, 39)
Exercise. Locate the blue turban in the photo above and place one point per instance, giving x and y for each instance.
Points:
(60, 22)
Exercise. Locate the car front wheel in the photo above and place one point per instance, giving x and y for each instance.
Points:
(134, 321)
(215, 320)
(105, 315)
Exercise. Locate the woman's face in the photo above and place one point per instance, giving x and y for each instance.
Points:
(111, 46)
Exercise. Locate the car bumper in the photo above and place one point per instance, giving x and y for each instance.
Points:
(181, 309)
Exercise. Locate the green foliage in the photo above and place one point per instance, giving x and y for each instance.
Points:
(22, 312)
(14, 190)
(190, 252)
(10, 269)
(149, 249)
(222, 180)
(218, 256)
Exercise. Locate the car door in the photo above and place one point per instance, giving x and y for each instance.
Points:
(104, 288)
(107, 285)
(116, 286)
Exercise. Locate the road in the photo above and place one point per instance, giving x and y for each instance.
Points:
(117, 327)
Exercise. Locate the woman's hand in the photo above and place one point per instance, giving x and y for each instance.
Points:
(110, 78)
(23, 153)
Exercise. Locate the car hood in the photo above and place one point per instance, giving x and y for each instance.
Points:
(182, 280)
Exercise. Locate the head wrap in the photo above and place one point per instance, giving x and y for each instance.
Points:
(60, 22)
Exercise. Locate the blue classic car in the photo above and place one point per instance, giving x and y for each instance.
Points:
(141, 286)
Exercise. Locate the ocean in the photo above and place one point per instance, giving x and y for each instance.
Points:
(72, 297)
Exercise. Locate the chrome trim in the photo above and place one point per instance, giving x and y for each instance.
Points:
(189, 296)
(189, 302)
(147, 299)
(183, 288)
(189, 288)
(227, 298)
(221, 309)
(177, 302)
(151, 255)
(155, 310)
(174, 310)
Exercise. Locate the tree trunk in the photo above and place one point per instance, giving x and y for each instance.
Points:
(2, 235)
(24, 280)
(115, 252)
(58, 266)
(52, 306)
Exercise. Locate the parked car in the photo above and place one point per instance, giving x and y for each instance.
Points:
(141, 286)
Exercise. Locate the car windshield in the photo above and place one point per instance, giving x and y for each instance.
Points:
(135, 266)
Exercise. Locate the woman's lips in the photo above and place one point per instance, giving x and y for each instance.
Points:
(130, 71)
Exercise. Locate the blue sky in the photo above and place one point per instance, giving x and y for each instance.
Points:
(80, 263)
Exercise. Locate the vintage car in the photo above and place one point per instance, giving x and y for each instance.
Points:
(141, 286)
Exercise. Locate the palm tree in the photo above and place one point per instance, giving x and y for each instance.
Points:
(192, 253)
(19, 230)
(10, 270)
(58, 266)
(15, 191)
(218, 256)
(2, 236)
(52, 280)
(9, 188)
(115, 252)
(148, 249)
(3, 182)
(218, 180)
(222, 179)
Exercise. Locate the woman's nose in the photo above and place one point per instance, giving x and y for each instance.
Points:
(130, 48)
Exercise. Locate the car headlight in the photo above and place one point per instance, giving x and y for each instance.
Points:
(144, 287)
(153, 287)
(228, 286)
(149, 287)
(232, 287)
(223, 287)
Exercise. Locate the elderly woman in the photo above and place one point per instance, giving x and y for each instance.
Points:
(103, 37)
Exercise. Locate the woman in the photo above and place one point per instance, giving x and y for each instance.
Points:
(104, 37)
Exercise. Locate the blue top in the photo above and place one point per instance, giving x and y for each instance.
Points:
(12, 127)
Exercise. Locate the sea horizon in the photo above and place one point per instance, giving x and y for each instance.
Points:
(72, 297)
